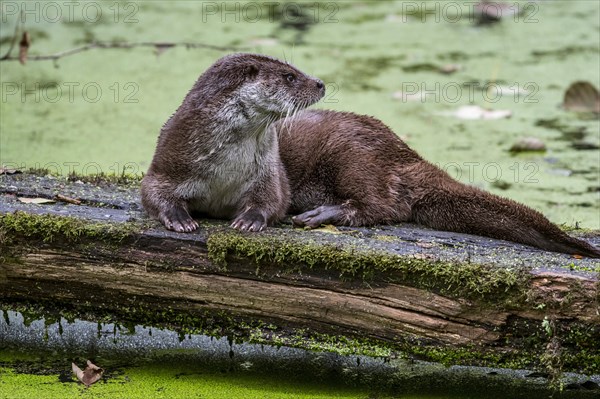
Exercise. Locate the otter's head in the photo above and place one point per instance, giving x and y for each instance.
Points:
(262, 85)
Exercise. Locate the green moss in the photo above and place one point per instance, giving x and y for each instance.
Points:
(592, 268)
(41, 172)
(287, 254)
(6, 242)
(304, 339)
(579, 349)
(533, 355)
(449, 356)
(51, 227)
(466, 280)
(385, 238)
(125, 178)
(211, 323)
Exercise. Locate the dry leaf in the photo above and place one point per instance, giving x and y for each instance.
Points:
(582, 97)
(9, 171)
(90, 375)
(24, 47)
(77, 371)
(38, 201)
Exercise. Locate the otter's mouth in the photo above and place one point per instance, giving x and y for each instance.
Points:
(295, 104)
(299, 105)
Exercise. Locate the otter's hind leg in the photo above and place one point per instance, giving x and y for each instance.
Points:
(353, 213)
(326, 214)
(159, 202)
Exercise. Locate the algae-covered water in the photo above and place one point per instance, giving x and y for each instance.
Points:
(149, 362)
(101, 110)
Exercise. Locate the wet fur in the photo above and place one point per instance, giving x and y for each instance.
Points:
(352, 170)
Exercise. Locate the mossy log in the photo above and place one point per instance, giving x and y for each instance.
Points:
(434, 295)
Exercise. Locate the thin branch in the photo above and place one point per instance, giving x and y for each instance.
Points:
(14, 39)
(122, 45)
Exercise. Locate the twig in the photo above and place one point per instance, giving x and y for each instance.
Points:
(14, 39)
(64, 198)
(122, 45)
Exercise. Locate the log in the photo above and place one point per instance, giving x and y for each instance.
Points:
(400, 290)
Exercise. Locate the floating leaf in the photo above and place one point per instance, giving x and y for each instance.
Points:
(560, 172)
(77, 371)
(472, 112)
(90, 375)
(582, 97)
(487, 12)
(38, 201)
(528, 144)
(585, 145)
(450, 68)
(421, 67)
(501, 184)
(406, 96)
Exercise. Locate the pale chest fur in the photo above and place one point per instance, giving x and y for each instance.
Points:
(228, 174)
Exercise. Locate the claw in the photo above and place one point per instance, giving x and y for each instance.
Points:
(251, 220)
(179, 220)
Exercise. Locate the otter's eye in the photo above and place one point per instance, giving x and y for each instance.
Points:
(290, 77)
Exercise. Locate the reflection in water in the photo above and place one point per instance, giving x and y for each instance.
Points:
(119, 348)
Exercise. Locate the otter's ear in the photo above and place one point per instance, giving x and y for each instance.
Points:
(251, 71)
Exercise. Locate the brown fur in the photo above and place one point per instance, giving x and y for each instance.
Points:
(352, 170)
(217, 155)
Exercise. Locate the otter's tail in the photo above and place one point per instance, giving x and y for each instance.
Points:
(473, 211)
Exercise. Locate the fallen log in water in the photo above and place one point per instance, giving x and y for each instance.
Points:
(440, 296)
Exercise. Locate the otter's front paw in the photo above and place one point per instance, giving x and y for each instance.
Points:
(179, 220)
(250, 221)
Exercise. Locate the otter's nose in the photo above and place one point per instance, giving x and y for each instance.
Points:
(320, 84)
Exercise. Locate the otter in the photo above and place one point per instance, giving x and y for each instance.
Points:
(353, 170)
(217, 155)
